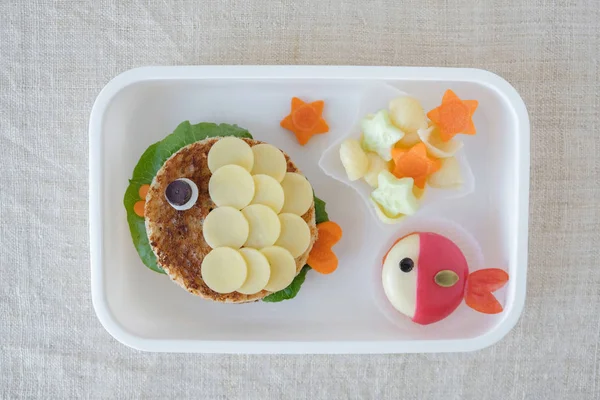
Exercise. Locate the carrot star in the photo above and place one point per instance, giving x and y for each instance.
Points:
(305, 120)
(414, 163)
(454, 116)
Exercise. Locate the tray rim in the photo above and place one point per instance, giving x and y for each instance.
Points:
(256, 72)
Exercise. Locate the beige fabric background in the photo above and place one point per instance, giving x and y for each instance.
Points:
(56, 56)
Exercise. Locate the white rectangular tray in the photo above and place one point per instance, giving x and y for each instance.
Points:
(333, 313)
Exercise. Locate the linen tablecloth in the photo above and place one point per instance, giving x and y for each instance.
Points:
(55, 56)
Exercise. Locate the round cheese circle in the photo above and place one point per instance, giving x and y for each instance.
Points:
(283, 268)
(230, 150)
(259, 271)
(225, 227)
(231, 185)
(297, 192)
(224, 270)
(295, 234)
(268, 191)
(264, 226)
(269, 160)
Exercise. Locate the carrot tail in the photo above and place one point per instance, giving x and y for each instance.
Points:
(480, 285)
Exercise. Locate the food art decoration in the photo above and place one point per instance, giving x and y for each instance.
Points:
(322, 258)
(454, 116)
(414, 163)
(257, 227)
(305, 120)
(256, 232)
(401, 141)
(425, 276)
(246, 217)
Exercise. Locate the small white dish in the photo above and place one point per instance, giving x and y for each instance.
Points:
(334, 313)
(377, 97)
(469, 248)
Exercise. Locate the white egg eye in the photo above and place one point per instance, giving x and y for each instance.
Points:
(181, 194)
(399, 274)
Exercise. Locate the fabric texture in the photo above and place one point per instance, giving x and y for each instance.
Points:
(55, 56)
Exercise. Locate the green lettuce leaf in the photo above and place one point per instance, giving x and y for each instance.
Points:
(292, 290)
(155, 156)
(320, 213)
(151, 161)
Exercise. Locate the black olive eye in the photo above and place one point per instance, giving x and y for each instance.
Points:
(181, 194)
(406, 265)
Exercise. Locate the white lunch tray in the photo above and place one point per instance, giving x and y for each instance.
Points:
(337, 313)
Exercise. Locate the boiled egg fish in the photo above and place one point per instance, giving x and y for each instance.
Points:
(426, 276)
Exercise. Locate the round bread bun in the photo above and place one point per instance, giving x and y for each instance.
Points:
(176, 236)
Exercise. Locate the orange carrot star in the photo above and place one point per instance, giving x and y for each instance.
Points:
(305, 120)
(414, 163)
(454, 116)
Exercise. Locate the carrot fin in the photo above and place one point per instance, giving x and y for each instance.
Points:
(321, 258)
(143, 192)
(480, 285)
(488, 280)
(484, 302)
(138, 208)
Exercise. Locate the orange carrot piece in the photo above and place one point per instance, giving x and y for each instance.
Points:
(487, 280)
(329, 233)
(305, 120)
(480, 285)
(484, 302)
(321, 258)
(414, 163)
(454, 116)
(143, 192)
(323, 263)
(138, 208)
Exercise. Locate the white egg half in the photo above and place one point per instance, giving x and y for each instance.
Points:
(401, 287)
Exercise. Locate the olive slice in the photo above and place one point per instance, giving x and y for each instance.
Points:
(181, 194)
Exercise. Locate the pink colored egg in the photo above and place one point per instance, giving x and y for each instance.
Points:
(424, 276)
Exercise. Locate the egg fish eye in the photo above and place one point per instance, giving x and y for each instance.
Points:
(406, 265)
